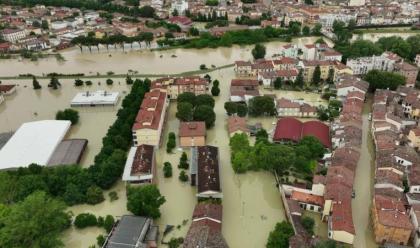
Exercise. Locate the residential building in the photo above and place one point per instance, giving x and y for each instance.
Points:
(192, 133)
(293, 108)
(408, 71)
(289, 129)
(176, 86)
(206, 227)
(289, 50)
(205, 171)
(13, 35)
(133, 231)
(149, 123)
(391, 222)
(140, 166)
(340, 223)
(309, 66)
(415, 220)
(241, 90)
(308, 201)
(414, 137)
(180, 6)
(238, 125)
(7, 89)
(243, 68)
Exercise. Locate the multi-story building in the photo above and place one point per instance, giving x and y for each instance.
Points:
(391, 222)
(408, 71)
(309, 66)
(148, 126)
(180, 6)
(176, 86)
(13, 35)
(289, 50)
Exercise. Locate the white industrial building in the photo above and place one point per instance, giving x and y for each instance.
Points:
(34, 142)
(100, 97)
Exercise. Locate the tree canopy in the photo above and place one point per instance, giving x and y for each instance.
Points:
(37, 221)
(384, 80)
(259, 51)
(279, 237)
(145, 200)
(69, 115)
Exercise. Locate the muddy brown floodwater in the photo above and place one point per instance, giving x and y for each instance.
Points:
(251, 202)
(363, 186)
(144, 62)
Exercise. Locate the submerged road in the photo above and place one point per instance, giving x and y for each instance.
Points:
(363, 186)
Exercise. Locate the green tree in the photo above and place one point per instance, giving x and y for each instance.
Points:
(299, 79)
(145, 200)
(109, 81)
(84, 220)
(184, 111)
(68, 114)
(35, 84)
(44, 25)
(170, 145)
(54, 83)
(37, 221)
(316, 30)
(261, 105)
(129, 80)
(94, 195)
(316, 77)
(231, 108)
(330, 78)
(306, 31)
(383, 80)
(261, 136)
(279, 238)
(78, 82)
(204, 99)
(187, 97)
(278, 83)
(215, 91)
(295, 28)
(205, 113)
(167, 169)
(327, 244)
(183, 177)
(100, 240)
(259, 51)
(147, 11)
(308, 223)
(183, 162)
(242, 109)
(108, 223)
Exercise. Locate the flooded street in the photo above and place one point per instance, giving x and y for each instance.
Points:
(251, 202)
(376, 36)
(363, 186)
(142, 62)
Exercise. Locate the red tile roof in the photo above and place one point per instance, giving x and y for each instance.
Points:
(192, 129)
(150, 112)
(392, 212)
(208, 210)
(236, 123)
(208, 169)
(341, 217)
(4, 88)
(293, 129)
(180, 20)
(244, 82)
(307, 198)
(143, 160)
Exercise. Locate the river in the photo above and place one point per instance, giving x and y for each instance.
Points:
(143, 62)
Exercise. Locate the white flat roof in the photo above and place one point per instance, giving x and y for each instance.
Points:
(95, 98)
(34, 142)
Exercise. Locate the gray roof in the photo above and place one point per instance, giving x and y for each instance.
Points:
(128, 232)
(68, 152)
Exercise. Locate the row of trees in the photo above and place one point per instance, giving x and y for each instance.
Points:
(73, 184)
(383, 80)
(84, 220)
(115, 40)
(196, 108)
(406, 49)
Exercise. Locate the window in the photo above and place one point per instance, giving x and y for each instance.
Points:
(312, 208)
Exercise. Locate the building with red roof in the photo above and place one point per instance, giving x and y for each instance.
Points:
(149, 122)
(192, 133)
(292, 130)
(340, 223)
(140, 166)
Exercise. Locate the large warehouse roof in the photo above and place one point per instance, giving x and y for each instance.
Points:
(33, 142)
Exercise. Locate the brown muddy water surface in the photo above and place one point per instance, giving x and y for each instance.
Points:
(251, 202)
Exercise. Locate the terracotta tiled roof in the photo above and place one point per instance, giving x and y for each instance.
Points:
(143, 160)
(150, 112)
(307, 198)
(286, 103)
(341, 217)
(208, 169)
(236, 123)
(192, 129)
(391, 213)
(208, 210)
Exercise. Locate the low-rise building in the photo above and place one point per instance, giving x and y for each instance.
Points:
(140, 166)
(391, 222)
(204, 171)
(237, 125)
(414, 137)
(192, 133)
(176, 86)
(241, 90)
(133, 231)
(408, 71)
(149, 123)
(13, 35)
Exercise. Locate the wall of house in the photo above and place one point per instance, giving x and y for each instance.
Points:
(341, 236)
(192, 141)
(385, 234)
(147, 136)
(415, 141)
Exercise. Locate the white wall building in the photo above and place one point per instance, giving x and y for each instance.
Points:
(180, 5)
(13, 35)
